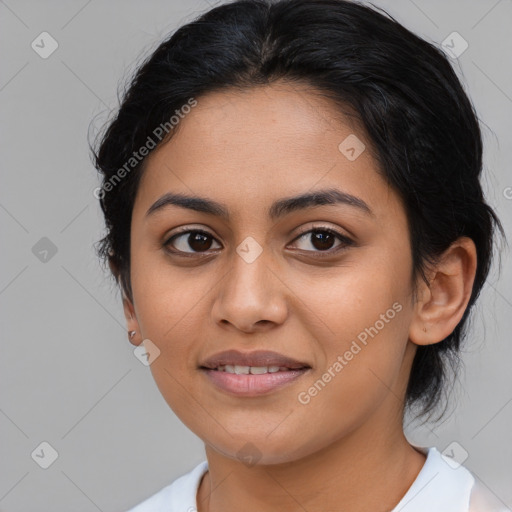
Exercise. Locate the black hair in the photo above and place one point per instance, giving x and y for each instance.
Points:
(421, 126)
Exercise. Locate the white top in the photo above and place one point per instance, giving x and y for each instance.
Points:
(441, 486)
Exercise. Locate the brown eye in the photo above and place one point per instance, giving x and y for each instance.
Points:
(323, 240)
(197, 241)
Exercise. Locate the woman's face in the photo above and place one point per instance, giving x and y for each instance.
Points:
(340, 304)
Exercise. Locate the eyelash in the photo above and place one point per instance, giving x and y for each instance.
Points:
(346, 242)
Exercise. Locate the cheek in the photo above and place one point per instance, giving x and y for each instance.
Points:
(166, 298)
(170, 312)
(361, 371)
(365, 313)
(363, 345)
(354, 296)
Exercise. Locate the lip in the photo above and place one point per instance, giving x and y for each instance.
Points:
(254, 358)
(250, 385)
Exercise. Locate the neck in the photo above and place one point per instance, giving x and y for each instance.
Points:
(369, 469)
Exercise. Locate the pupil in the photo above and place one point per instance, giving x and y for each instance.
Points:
(322, 239)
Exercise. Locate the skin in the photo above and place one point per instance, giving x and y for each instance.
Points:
(345, 449)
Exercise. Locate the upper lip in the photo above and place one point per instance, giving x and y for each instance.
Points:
(255, 358)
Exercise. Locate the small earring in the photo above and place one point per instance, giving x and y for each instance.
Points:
(132, 334)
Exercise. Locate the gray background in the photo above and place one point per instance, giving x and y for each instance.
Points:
(69, 375)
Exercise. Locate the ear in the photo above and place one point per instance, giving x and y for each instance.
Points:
(441, 303)
(131, 321)
(128, 308)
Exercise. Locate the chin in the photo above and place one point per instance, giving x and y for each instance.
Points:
(259, 451)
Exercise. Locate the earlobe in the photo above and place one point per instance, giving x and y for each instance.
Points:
(129, 310)
(131, 321)
(441, 304)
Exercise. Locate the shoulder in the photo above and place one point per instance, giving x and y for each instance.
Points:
(442, 484)
(445, 485)
(180, 495)
(483, 500)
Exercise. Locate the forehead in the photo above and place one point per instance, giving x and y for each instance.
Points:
(247, 148)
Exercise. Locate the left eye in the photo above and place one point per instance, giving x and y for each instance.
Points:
(322, 239)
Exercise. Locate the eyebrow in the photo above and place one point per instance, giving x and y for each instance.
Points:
(278, 209)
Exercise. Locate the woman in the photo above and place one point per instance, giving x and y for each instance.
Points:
(291, 192)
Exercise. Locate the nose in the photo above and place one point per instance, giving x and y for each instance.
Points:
(250, 297)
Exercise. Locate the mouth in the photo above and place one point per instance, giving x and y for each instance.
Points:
(252, 374)
(250, 384)
(252, 370)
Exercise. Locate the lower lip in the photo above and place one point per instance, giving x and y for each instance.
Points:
(252, 385)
